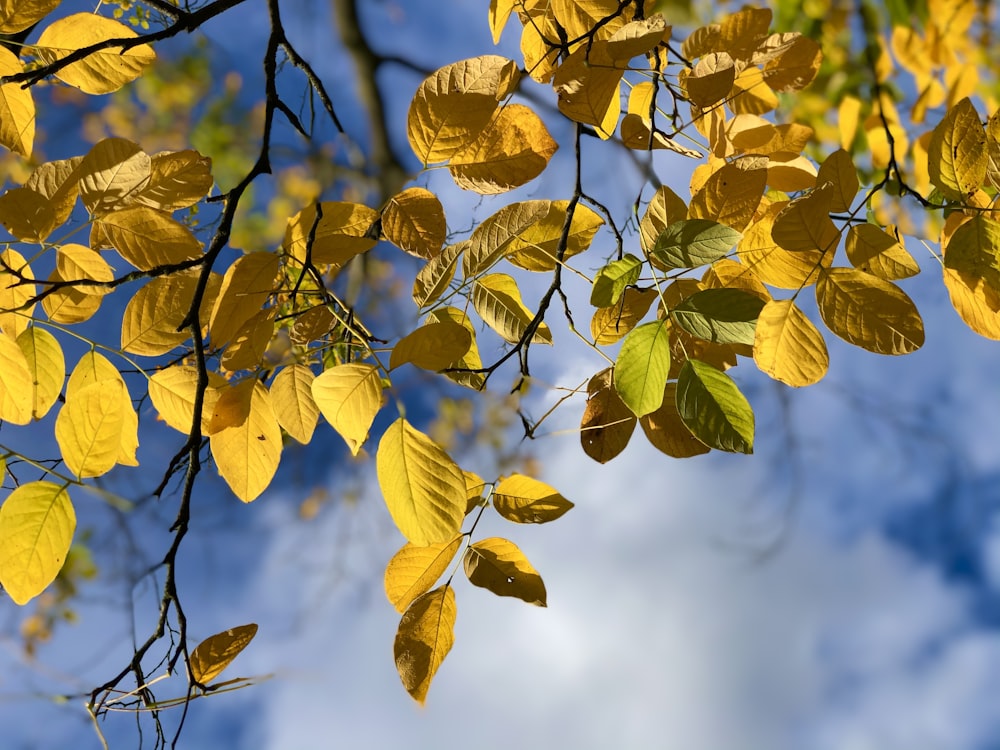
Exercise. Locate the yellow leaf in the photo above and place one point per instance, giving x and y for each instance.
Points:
(610, 324)
(788, 347)
(667, 432)
(510, 151)
(17, 108)
(876, 251)
(26, 214)
(790, 175)
(247, 455)
(342, 231)
(744, 31)
(37, 522)
(711, 80)
(433, 346)
(454, 104)
(424, 638)
(805, 224)
(731, 274)
(217, 652)
(95, 370)
(413, 570)
(294, 407)
(838, 168)
(774, 265)
(413, 221)
(177, 179)
(587, 85)
(795, 67)
(522, 499)
(498, 565)
(976, 301)
(246, 350)
(474, 486)
(148, 238)
(18, 15)
(69, 305)
(702, 41)
(500, 11)
(100, 72)
(636, 134)
(731, 195)
(349, 396)
(498, 302)
(17, 392)
(80, 263)
(848, 112)
(607, 423)
(423, 488)
(751, 95)
(540, 57)
(957, 155)
(469, 362)
(638, 37)
(46, 367)
(869, 312)
(535, 247)
(172, 392)
(665, 208)
(15, 293)
(112, 174)
(89, 428)
(153, 315)
(232, 408)
(600, 18)
(432, 280)
(245, 288)
(493, 238)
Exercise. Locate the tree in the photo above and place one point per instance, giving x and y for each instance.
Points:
(243, 352)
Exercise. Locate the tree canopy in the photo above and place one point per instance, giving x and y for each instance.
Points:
(182, 272)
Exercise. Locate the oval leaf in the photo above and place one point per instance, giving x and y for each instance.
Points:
(349, 396)
(425, 636)
(217, 652)
(642, 367)
(522, 499)
(499, 566)
(413, 570)
(713, 408)
(694, 242)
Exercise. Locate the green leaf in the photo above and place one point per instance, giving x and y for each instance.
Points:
(611, 281)
(713, 408)
(642, 367)
(694, 242)
(722, 316)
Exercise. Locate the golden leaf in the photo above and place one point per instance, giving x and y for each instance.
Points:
(177, 179)
(247, 455)
(667, 432)
(495, 235)
(349, 396)
(16, 293)
(638, 37)
(246, 349)
(292, 399)
(466, 366)
(413, 221)
(433, 346)
(17, 108)
(102, 71)
(89, 428)
(17, 392)
(217, 652)
(788, 347)
(773, 264)
(610, 324)
(869, 312)
(875, 251)
(148, 238)
(424, 638)
(839, 170)
(414, 569)
(523, 499)
(957, 155)
(46, 368)
(423, 488)
(535, 247)
(607, 423)
(795, 67)
(37, 523)
(587, 85)
(454, 104)
(245, 288)
(80, 263)
(510, 151)
(343, 231)
(664, 209)
(432, 280)
(172, 392)
(18, 15)
(498, 302)
(731, 195)
(711, 80)
(805, 224)
(152, 317)
(498, 565)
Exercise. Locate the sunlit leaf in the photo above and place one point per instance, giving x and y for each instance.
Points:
(693, 242)
(153, 316)
(713, 408)
(722, 316)
(147, 238)
(612, 280)
(248, 345)
(788, 347)
(667, 432)
(433, 346)
(349, 396)
(498, 302)
(873, 250)
(177, 179)
(293, 403)
(413, 220)
(17, 391)
(957, 155)
(246, 286)
(513, 149)
(342, 231)
(731, 195)
(17, 108)
(773, 264)
(247, 455)
(423, 487)
(535, 247)
(16, 293)
(89, 428)
(217, 652)
(838, 168)
(495, 235)
(18, 15)
(805, 224)
(424, 638)
(463, 370)
(869, 312)
(37, 523)
(102, 71)
(172, 392)
(413, 570)
(432, 280)
(498, 565)
(46, 367)
(642, 367)
(587, 85)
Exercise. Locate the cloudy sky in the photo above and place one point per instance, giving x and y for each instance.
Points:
(838, 590)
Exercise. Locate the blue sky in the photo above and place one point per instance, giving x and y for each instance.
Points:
(835, 591)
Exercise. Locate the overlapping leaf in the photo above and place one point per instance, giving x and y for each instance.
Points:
(712, 407)
(424, 638)
(37, 522)
(414, 569)
(349, 396)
